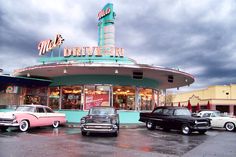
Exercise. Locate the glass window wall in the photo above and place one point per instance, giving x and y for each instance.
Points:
(71, 97)
(146, 98)
(36, 96)
(54, 97)
(124, 97)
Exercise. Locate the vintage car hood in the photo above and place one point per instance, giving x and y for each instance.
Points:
(7, 115)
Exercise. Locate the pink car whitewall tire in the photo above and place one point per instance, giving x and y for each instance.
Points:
(24, 125)
(56, 124)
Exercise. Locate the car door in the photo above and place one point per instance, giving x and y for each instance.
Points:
(42, 116)
(156, 116)
(217, 121)
(167, 116)
(214, 119)
(51, 116)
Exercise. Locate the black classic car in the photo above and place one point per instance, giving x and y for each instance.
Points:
(177, 118)
(100, 120)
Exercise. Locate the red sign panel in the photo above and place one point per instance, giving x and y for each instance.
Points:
(96, 100)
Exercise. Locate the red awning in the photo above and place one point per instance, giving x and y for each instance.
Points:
(189, 105)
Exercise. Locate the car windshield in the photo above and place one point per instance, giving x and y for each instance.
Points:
(25, 108)
(182, 112)
(101, 111)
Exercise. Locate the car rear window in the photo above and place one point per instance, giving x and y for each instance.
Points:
(40, 110)
(48, 110)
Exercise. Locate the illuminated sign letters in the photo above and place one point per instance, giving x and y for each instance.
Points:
(103, 13)
(48, 45)
(94, 51)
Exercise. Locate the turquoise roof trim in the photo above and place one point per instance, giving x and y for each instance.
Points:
(88, 59)
(70, 80)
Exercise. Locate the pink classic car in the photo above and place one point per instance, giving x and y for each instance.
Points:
(28, 116)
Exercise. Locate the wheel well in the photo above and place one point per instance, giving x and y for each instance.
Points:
(228, 122)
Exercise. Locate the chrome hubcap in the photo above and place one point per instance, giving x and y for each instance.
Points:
(149, 124)
(185, 130)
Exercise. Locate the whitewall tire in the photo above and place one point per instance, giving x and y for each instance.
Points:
(186, 130)
(229, 126)
(24, 125)
(56, 124)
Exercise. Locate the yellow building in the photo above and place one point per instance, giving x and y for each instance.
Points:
(220, 97)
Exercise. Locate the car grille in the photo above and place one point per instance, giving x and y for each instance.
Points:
(3, 120)
(98, 126)
(202, 123)
(99, 120)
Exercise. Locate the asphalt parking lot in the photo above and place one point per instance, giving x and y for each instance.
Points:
(68, 141)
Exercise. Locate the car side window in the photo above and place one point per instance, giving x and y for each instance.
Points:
(40, 110)
(168, 112)
(206, 115)
(158, 111)
(213, 115)
(48, 110)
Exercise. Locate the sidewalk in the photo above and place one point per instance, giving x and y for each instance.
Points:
(122, 126)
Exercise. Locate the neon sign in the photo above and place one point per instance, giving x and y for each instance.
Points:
(94, 51)
(47, 45)
(103, 13)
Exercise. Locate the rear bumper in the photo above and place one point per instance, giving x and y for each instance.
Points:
(99, 128)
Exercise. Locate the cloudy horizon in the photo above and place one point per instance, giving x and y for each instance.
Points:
(197, 37)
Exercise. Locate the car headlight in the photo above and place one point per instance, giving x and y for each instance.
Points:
(82, 120)
(13, 116)
(113, 121)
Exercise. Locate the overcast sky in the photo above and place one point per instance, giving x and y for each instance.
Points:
(198, 37)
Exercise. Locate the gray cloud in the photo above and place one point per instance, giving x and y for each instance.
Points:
(197, 37)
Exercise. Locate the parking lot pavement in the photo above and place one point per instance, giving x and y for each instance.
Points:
(222, 145)
(68, 141)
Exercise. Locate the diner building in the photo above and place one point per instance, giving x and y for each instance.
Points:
(73, 79)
